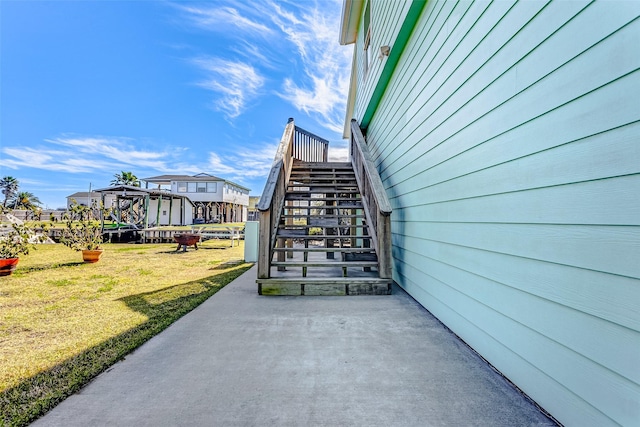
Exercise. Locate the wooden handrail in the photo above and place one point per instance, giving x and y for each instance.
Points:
(272, 200)
(296, 143)
(376, 205)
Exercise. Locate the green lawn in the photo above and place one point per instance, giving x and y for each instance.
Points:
(62, 321)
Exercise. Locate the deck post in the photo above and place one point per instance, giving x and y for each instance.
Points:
(170, 209)
(158, 213)
(384, 245)
(264, 245)
(146, 214)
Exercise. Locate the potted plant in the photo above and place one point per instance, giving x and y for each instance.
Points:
(83, 231)
(15, 239)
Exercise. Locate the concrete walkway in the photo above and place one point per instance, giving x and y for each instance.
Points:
(241, 359)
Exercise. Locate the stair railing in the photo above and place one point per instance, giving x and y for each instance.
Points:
(296, 143)
(309, 147)
(377, 208)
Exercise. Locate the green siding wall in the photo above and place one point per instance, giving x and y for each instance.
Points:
(508, 140)
(386, 20)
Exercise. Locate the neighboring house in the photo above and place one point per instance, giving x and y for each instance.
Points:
(83, 198)
(507, 136)
(215, 199)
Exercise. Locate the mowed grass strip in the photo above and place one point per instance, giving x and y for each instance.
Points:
(62, 322)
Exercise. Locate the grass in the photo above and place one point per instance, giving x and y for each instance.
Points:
(62, 322)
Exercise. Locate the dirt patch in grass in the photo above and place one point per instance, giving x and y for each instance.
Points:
(62, 322)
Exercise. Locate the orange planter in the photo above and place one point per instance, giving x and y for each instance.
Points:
(8, 265)
(91, 256)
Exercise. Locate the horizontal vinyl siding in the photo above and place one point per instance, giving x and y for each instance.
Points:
(509, 144)
(386, 19)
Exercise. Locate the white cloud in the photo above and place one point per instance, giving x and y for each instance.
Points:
(323, 91)
(220, 18)
(253, 52)
(84, 155)
(245, 164)
(297, 43)
(338, 154)
(101, 157)
(236, 83)
(220, 165)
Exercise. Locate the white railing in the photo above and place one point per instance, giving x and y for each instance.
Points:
(309, 147)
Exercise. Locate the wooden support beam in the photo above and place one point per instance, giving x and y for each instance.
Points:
(264, 245)
(158, 213)
(170, 209)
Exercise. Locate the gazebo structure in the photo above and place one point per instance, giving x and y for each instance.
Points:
(141, 208)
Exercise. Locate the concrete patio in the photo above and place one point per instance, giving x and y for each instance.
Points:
(241, 359)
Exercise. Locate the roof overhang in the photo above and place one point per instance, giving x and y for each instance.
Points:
(351, 10)
(351, 99)
(131, 191)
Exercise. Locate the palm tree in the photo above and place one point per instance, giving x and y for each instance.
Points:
(24, 200)
(125, 178)
(9, 188)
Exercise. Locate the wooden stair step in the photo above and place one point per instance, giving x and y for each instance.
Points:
(324, 216)
(292, 227)
(303, 198)
(341, 174)
(312, 286)
(321, 179)
(294, 234)
(326, 185)
(323, 222)
(324, 176)
(323, 249)
(322, 190)
(310, 193)
(323, 280)
(291, 233)
(341, 206)
(346, 189)
(359, 256)
(324, 264)
(322, 165)
(322, 170)
(313, 183)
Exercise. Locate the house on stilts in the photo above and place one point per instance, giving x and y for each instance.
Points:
(214, 199)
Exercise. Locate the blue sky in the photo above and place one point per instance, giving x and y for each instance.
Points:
(92, 88)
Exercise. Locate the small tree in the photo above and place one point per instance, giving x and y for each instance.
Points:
(24, 200)
(125, 178)
(20, 239)
(9, 187)
(83, 230)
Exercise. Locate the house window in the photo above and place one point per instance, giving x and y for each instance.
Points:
(191, 186)
(368, 53)
(201, 187)
(182, 187)
(212, 187)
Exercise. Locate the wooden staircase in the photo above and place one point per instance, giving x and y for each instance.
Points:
(323, 239)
